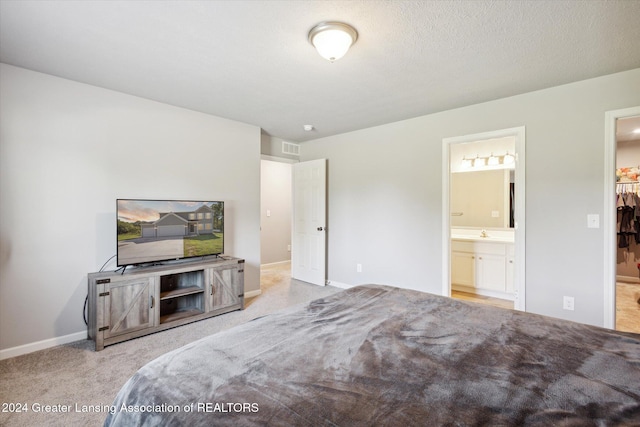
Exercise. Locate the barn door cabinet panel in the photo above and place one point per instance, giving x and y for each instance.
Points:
(128, 306)
(145, 300)
(226, 285)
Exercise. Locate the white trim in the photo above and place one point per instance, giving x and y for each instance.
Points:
(338, 284)
(609, 217)
(446, 219)
(252, 294)
(277, 263)
(42, 345)
(519, 231)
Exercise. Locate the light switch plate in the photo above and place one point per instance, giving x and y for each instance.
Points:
(593, 221)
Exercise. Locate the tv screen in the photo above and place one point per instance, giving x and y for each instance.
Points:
(150, 231)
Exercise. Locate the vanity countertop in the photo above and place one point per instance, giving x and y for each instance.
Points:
(480, 235)
(489, 239)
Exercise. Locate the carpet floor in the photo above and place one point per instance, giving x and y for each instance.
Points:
(36, 388)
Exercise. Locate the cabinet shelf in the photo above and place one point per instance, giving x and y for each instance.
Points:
(182, 314)
(181, 292)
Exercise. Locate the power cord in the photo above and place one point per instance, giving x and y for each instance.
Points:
(86, 300)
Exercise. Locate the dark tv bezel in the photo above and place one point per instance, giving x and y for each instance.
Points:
(158, 261)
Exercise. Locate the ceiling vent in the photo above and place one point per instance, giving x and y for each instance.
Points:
(290, 148)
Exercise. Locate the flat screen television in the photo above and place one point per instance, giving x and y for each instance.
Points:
(151, 231)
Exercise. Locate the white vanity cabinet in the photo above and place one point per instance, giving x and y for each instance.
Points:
(510, 284)
(463, 267)
(483, 267)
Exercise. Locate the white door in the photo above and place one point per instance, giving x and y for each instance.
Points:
(308, 245)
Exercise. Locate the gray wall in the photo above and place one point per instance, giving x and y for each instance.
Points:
(275, 212)
(385, 193)
(272, 146)
(67, 151)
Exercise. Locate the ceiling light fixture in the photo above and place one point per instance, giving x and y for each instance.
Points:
(332, 40)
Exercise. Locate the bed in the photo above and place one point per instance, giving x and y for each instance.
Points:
(380, 355)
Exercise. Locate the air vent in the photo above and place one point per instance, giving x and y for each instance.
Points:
(290, 148)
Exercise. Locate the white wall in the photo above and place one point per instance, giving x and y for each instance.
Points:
(385, 187)
(275, 212)
(67, 151)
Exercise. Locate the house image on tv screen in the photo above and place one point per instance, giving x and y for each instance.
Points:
(150, 230)
(200, 221)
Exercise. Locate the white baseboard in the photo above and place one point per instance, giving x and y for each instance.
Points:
(41, 345)
(252, 294)
(627, 279)
(338, 284)
(273, 264)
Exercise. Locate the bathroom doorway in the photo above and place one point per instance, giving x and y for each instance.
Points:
(483, 217)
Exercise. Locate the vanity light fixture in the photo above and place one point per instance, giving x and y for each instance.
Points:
(492, 161)
(332, 39)
(466, 163)
(508, 159)
(479, 161)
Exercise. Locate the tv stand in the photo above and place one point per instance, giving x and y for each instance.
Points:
(125, 305)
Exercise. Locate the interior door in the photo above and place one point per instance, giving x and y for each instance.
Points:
(308, 245)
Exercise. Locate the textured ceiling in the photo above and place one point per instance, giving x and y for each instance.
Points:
(250, 61)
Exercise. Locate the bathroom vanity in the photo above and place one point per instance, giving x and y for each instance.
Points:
(482, 262)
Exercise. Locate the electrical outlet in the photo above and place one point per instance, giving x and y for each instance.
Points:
(567, 303)
(359, 268)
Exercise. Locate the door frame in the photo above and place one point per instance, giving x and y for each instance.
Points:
(519, 230)
(609, 216)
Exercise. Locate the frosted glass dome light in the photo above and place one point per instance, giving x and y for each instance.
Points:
(508, 159)
(332, 40)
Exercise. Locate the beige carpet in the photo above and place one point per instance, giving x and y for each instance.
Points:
(76, 378)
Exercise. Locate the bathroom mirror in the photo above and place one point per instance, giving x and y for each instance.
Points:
(482, 199)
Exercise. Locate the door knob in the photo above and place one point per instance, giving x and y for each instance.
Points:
(320, 228)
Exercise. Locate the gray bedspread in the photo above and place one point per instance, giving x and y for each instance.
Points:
(378, 355)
